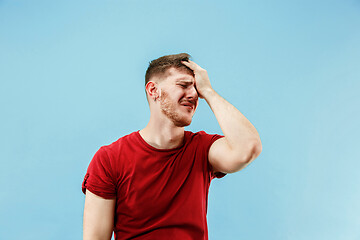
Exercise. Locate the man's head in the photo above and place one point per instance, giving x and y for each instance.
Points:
(158, 67)
(170, 89)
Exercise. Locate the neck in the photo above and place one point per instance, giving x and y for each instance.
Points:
(162, 134)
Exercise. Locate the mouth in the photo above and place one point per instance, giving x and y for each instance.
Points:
(188, 107)
(188, 104)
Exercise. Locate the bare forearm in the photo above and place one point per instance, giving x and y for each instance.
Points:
(236, 128)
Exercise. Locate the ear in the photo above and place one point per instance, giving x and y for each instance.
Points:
(152, 90)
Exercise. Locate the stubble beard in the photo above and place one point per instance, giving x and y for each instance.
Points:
(169, 109)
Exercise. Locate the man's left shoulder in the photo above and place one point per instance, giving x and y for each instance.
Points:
(203, 136)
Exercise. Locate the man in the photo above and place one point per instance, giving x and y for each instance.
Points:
(153, 183)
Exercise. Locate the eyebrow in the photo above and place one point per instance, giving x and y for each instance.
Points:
(184, 80)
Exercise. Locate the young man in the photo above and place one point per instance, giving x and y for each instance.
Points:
(153, 183)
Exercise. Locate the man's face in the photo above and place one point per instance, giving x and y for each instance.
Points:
(178, 97)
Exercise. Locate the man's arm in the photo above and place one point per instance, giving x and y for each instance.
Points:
(241, 144)
(98, 217)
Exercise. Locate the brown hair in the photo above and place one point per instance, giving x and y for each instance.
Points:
(161, 65)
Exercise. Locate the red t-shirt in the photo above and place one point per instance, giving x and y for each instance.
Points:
(160, 193)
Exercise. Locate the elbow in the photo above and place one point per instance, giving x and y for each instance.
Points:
(256, 150)
(253, 151)
(238, 160)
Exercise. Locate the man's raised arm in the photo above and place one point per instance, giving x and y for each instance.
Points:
(98, 217)
(241, 144)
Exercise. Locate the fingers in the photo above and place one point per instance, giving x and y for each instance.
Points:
(190, 64)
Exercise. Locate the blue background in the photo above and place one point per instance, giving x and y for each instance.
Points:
(72, 76)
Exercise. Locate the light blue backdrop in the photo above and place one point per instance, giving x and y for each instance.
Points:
(72, 76)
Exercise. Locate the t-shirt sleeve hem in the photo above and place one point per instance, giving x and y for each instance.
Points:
(98, 193)
(218, 175)
(97, 190)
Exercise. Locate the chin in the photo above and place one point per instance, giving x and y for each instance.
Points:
(182, 122)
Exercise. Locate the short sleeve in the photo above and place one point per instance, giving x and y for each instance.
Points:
(208, 141)
(99, 178)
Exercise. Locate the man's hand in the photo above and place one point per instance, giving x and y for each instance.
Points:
(202, 82)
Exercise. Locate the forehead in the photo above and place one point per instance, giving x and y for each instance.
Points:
(176, 75)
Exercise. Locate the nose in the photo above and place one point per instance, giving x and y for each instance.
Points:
(192, 93)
